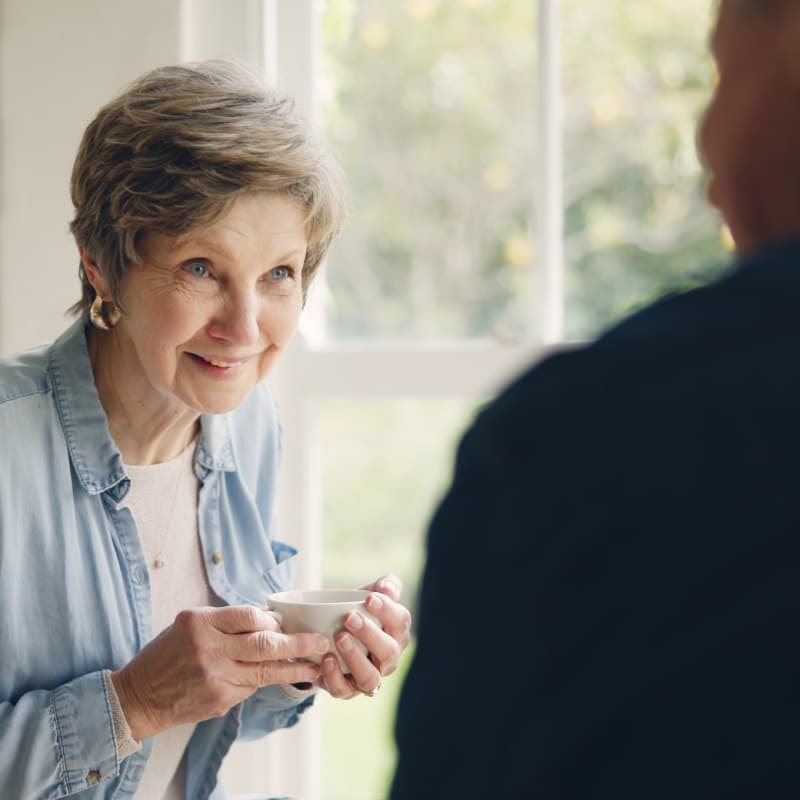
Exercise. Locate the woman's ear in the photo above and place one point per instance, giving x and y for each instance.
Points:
(94, 274)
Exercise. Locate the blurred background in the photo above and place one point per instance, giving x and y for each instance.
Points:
(522, 173)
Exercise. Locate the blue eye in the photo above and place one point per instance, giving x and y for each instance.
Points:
(198, 269)
(281, 273)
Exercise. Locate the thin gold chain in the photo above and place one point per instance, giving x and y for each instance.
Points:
(158, 560)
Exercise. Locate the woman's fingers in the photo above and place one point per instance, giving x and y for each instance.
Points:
(388, 584)
(394, 618)
(239, 619)
(364, 673)
(208, 660)
(383, 650)
(337, 684)
(275, 646)
(266, 673)
(384, 640)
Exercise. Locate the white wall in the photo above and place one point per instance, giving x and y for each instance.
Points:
(59, 62)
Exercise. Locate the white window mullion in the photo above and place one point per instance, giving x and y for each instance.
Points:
(549, 225)
(467, 369)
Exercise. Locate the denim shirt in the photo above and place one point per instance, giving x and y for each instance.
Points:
(74, 585)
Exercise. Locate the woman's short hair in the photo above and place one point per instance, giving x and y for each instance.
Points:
(174, 151)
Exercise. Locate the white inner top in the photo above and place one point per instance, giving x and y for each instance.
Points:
(163, 501)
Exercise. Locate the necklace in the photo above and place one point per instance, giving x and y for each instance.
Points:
(158, 558)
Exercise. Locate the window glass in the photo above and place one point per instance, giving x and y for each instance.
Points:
(429, 106)
(385, 464)
(636, 76)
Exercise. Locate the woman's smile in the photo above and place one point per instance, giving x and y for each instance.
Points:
(222, 366)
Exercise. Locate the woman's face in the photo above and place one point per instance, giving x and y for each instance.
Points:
(208, 313)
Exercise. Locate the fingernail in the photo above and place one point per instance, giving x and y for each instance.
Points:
(354, 621)
(346, 642)
(321, 644)
(330, 665)
(374, 603)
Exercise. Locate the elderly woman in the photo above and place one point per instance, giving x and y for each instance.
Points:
(139, 456)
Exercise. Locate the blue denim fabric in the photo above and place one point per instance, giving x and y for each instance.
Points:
(74, 585)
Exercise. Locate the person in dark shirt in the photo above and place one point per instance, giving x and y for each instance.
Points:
(624, 520)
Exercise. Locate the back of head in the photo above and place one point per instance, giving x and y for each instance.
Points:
(757, 6)
(178, 146)
(748, 137)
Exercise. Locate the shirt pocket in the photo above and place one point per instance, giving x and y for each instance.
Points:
(279, 578)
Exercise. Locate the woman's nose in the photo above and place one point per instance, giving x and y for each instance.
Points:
(238, 320)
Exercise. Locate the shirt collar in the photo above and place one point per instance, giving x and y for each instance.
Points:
(214, 450)
(95, 456)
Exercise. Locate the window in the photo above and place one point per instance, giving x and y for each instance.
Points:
(390, 458)
(431, 108)
(635, 77)
(521, 174)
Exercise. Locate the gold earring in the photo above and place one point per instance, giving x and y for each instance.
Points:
(102, 316)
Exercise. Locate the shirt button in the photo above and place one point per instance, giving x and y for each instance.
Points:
(138, 574)
(217, 558)
(93, 776)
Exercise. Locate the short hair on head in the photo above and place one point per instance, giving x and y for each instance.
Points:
(177, 147)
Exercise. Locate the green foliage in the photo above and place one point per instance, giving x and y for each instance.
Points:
(430, 106)
(358, 753)
(390, 460)
(636, 76)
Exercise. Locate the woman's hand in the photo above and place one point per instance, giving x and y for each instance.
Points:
(384, 644)
(207, 661)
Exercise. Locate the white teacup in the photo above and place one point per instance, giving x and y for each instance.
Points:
(319, 611)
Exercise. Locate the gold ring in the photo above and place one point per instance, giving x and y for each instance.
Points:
(371, 692)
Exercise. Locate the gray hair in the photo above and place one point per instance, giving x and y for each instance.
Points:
(174, 151)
